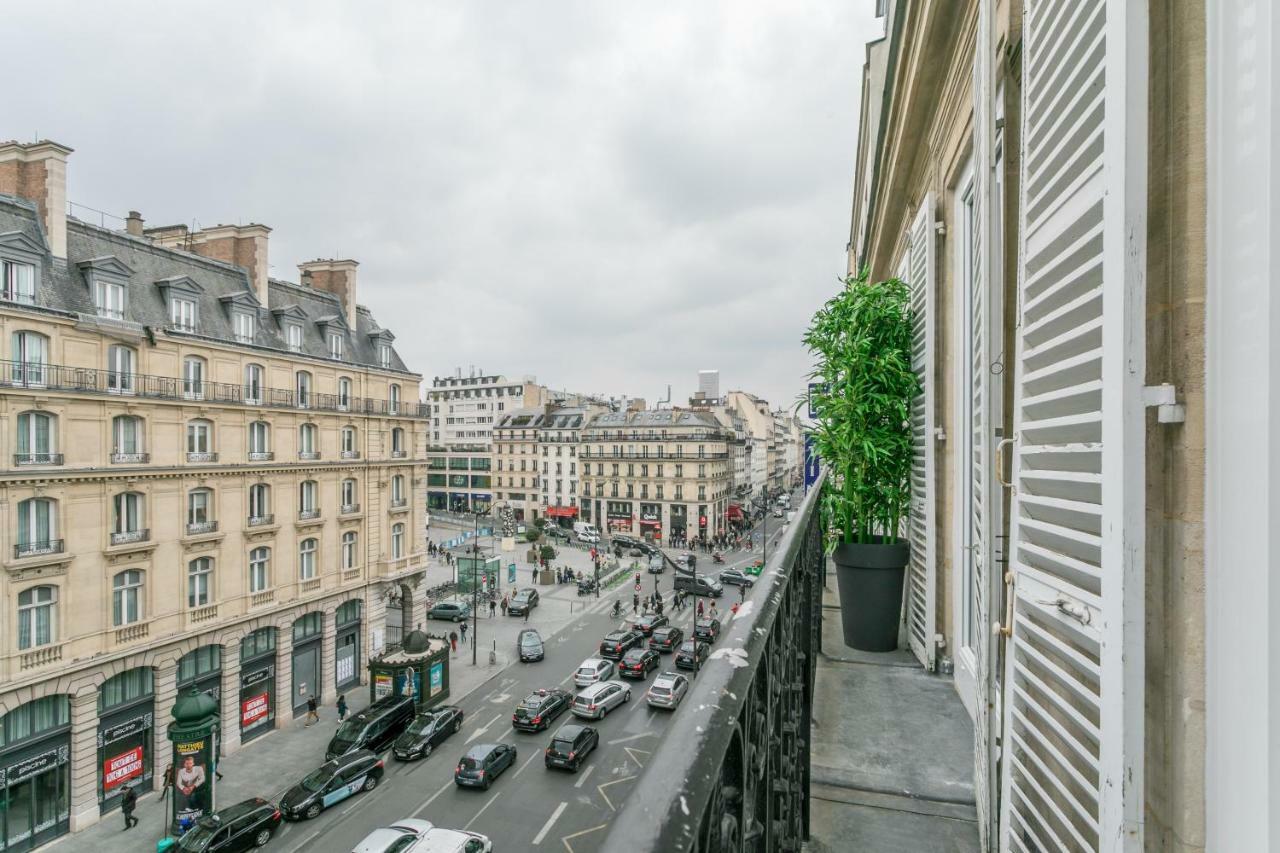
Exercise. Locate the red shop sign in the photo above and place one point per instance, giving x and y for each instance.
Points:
(122, 768)
(254, 708)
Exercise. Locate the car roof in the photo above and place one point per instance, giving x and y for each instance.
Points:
(441, 840)
(616, 635)
(238, 809)
(666, 629)
(480, 750)
(592, 663)
(638, 651)
(593, 689)
(667, 677)
(569, 731)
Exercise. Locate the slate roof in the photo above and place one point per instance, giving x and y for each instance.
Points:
(63, 288)
(656, 418)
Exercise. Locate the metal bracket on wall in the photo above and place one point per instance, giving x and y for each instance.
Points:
(1164, 399)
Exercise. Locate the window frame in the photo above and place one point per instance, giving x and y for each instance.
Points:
(28, 621)
(307, 556)
(183, 313)
(128, 587)
(202, 578)
(259, 569)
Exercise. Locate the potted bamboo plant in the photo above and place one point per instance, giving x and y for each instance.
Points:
(861, 340)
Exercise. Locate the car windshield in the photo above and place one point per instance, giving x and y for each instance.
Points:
(350, 730)
(421, 725)
(198, 837)
(530, 640)
(561, 745)
(317, 779)
(659, 691)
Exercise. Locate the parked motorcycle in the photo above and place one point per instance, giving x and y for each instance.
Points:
(586, 587)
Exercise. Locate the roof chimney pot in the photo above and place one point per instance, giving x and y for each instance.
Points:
(133, 223)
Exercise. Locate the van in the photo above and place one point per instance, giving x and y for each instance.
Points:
(585, 528)
(699, 584)
(374, 728)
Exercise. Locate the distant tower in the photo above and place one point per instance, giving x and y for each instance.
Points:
(709, 383)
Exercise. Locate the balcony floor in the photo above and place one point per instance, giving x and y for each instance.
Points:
(892, 766)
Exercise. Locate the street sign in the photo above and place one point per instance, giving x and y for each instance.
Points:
(812, 463)
(637, 587)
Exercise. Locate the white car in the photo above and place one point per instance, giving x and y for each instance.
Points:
(402, 835)
(598, 699)
(591, 538)
(451, 841)
(593, 670)
(667, 690)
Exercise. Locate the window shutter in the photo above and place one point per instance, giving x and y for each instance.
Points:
(921, 571)
(1073, 739)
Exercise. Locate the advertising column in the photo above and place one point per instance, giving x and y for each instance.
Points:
(194, 735)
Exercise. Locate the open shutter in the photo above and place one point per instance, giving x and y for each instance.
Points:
(921, 571)
(1072, 750)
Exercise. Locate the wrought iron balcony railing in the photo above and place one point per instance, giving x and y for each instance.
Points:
(741, 737)
(23, 460)
(207, 456)
(128, 537)
(88, 380)
(195, 528)
(37, 549)
(349, 454)
(308, 514)
(260, 520)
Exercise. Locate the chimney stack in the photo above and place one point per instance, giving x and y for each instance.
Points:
(333, 276)
(244, 246)
(37, 171)
(133, 223)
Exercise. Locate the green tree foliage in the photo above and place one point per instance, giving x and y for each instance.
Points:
(547, 553)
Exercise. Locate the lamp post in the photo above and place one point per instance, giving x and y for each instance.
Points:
(475, 588)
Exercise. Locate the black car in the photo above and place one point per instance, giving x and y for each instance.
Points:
(427, 731)
(737, 577)
(645, 624)
(707, 630)
(666, 639)
(454, 611)
(529, 645)
(615, 644)
(374, 728)
(332, 783)
(571, 744)
(684, 657)
(240, 827)
(539, 708)
(555, 531)
(483, 763)
(522, 602)
(637, 662)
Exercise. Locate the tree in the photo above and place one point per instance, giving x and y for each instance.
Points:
(532, 535)
(547, 553)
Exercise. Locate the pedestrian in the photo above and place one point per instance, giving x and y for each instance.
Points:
(342, 707)
(742, 592)
(313, 715)
(734, 608)
(127, 804)
(462, 627)
(493, 606)
(526, 614)
(635, 603)
(453, 641)
(699, 609)
(504, 605)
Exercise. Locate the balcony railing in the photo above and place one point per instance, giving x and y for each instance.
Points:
(261, 455)
(128, 537)
(399, 454)
(399, 503)
(350, 509)
(308, 514)
(260, 520)
(195, 528)
(23, 460)
(350, 454)
(87, 380)
(308, 455)
(202, 457)
(130, 458)
(744, 731)
(37, 549)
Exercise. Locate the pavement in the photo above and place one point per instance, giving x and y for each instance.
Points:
(529, 808)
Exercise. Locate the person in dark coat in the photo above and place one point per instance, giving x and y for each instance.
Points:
(128, 803)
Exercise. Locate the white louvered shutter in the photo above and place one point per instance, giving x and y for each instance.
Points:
(921, 580)
(1072, 749)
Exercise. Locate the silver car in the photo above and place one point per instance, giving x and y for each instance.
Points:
(667, 690)
(598, 699)
(592, 671)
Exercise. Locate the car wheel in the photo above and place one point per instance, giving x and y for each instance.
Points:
(488, 783)
(626, 697)
(312, 812)
(457, 618)
(426, 751)
(261, 839)
(457, 726)
(370, 782)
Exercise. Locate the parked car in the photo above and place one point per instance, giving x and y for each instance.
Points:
(637, 662)
(539, 708)
(699, 584)
(666, 639)
(571, 746)
(736, 577)
(593, 670)
(667, 690)
(401, 837)
(778, 512)
(374, 728)
(598, 699)
(428, 730)
(440, 840)
(555, 531)
(530, 646)
(243, 826)
(645, 624)
(483, 763)
(454, 611)
(707, 629)
(616, 643)
(685, 655)
(331, 783)
(523, 602)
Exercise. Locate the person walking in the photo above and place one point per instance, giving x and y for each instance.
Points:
(493, 607)
(342, 707)
(635, 603)
(462, 628)
(699, 609)
(504, 605)
(526, 612)
(313, 714)
(127, 804)
(453, 641)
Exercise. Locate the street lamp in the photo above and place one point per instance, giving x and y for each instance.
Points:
(475, 587)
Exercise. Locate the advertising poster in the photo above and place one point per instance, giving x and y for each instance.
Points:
(192, 779)
(254, 710)
(381, 686)
(410, 683)
(121, 768)
(437, 678)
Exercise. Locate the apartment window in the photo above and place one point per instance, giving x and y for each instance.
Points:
(35, 445)
(30, 357)
(36, 526)
(193, 378)
(344, 393)
(199, 509)
(182, 314)
(702, 469)
(384, 355)
(259, 569)
(348, 440)
(397, 541)
(349, 550)
(126, 438)
(613, 490)
(121, 365)
(702, 493)
(644, 490)
(242, 324)
(615, 469)
(108, 299)
(631, 469)
(397, 443)
(658, 491)
(307, 442)
(293, 335)
(659, 469)
(259, 437)
(307, 497)
(303, 386)
(307, 560)
(702, 451)
(19, 282)
(679, 470)
(126, 598)
(259, 501)
(335, 345)
(253, 383)
(679, 493)
(128, 513)
(199, 580)
(394, 399)
(199, 437)
(37, 610)
(397, 490)
(599, 490)
(630, 490)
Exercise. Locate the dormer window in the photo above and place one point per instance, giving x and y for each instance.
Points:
(108, 299)
(293, 336)
(384, 355)
(182, 314)
(19, 282)
(243, 326)
(335, 345)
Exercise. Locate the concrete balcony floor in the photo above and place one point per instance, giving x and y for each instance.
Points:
(892, 760)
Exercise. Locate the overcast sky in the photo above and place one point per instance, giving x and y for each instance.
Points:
(607, 195)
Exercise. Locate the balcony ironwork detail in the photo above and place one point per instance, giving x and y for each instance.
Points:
(260, 520)
(308, 514)
(261, 455)
(128, 537)
(130, 458)
(37, 549)
(202, 457)
(195, 528)
(350, 509)
(308, 455)
(23, 460)
(350, 454)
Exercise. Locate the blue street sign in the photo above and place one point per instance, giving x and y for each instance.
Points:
(812, 464)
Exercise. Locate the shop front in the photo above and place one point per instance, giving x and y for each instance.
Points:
(562, 515)
(619, 516)
(202, 669)
(651, 521)
(480, 501)
(702, 521)
(679, 522)
(346, 661)
(35, 773)
(308, 632)
(459, 502)
(257, 683)
(437, 501)
(126, 718)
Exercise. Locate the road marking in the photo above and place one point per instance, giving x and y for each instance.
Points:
(306, 841)
(577, 834)
(583, 777)
(422, 808)
(629, 738)
(476, 817)
(523, 766)
(632, 752)
(482, 729)
(501, 699)
(542, 833)
(601, 788)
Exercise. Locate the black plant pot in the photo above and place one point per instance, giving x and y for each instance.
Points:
(870, 578)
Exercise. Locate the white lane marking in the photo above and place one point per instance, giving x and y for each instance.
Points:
(523, 766)
(476, 817)
(634, 753)
(302, 844)
(605, 796)
(565, 840)
(583, 777)
(422, 808)
(546, 827)
(628, 738)
(482, 729)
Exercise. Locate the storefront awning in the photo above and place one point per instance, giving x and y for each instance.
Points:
(562, 511)
(733, 513)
